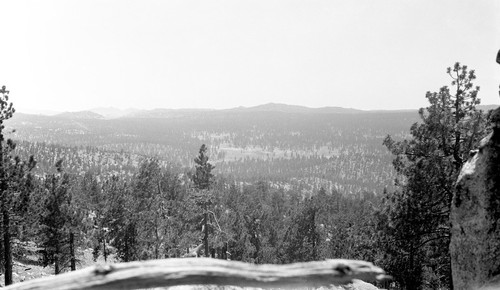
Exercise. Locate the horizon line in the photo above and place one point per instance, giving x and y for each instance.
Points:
(49, 112)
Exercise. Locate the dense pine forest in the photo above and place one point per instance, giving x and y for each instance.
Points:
(254, 186)
(310, 149)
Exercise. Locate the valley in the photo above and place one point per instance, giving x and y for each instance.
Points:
(290, 146)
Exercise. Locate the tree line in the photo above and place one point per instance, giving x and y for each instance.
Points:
(162, 213)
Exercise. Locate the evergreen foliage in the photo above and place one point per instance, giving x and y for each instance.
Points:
(202, 180)
(202, 177)
(414, 222)
(15, 183)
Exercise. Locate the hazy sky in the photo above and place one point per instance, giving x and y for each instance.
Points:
(74, 55)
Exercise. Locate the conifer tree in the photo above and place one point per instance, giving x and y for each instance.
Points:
(415, 222)
(54, 219)
(13, 192)
(124, 225)
(116, 214)
(149, 210)
(95, 200)
(202, 180)
(77, 223)
(301, 242)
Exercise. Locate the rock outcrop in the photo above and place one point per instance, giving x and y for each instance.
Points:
(475, 216)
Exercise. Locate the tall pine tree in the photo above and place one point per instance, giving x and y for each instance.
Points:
(416, 216)
(202, 180)
(54, 219)
(13, 195)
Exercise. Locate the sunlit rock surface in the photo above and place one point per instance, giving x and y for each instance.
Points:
(475, 216)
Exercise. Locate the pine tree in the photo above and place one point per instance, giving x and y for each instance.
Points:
(116, 214)
(417, 234)
(95, 203)
(150, 210)
(202, 180)
(55, 218)
(123, 223)
(203, 176)
(301, 242)
(14, 194)
(77, 223)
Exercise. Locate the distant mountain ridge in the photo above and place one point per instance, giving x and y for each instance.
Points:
(269, 107)
(284, 108)
(165, 113)
(80, 115)
(113, 113)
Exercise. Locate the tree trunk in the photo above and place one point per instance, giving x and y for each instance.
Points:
(205, 237)
(5, 216)
(7, 246)
(72, 250)
(456, 147)
(412, 282)
(157, 236)
(104, 252)
(56, 260)
(125, 258)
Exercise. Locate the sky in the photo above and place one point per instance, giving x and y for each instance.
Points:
(73, 55)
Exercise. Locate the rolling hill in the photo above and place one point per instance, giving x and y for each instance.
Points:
(288, 145)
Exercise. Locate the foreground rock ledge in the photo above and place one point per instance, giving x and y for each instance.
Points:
(197, 271)
(475, 216)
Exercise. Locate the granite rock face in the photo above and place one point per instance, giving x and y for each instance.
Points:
(475, 216)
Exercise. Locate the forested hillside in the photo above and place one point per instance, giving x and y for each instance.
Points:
(288, 185)
(160, 212)
(307, 148)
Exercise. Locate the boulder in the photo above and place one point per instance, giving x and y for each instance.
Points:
(475, 216)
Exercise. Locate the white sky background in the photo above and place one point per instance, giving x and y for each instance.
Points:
(73, 55)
